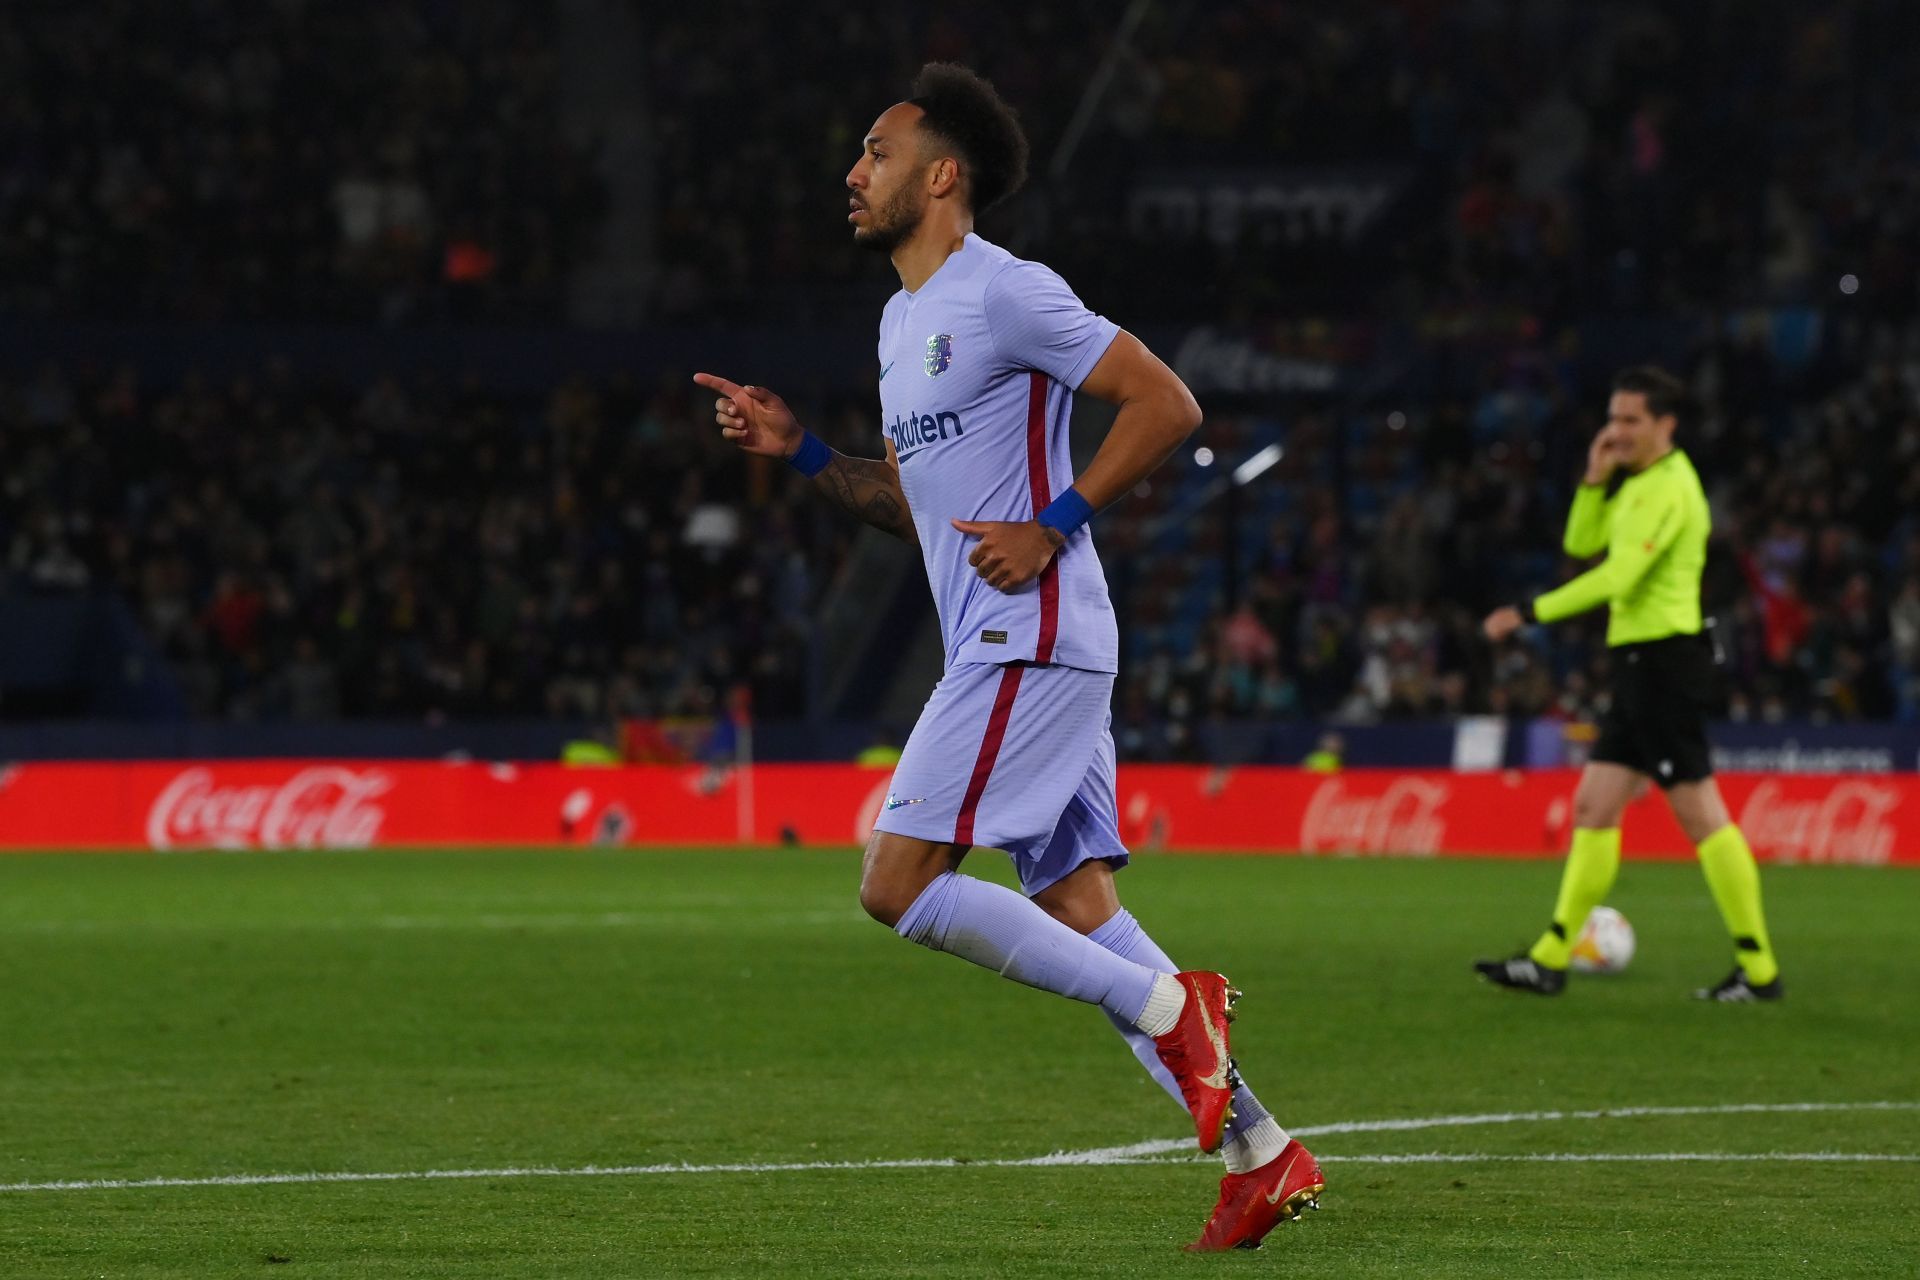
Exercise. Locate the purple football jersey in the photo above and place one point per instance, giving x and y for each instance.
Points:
(977, 373)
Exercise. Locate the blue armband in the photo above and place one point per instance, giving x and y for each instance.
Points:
(812, 457)
(1066, 513)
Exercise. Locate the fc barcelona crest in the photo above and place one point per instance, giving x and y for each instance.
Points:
(939, 354)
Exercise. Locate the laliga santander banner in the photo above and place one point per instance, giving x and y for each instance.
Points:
(1865, 819)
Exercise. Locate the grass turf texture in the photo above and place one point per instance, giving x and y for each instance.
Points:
(202, 1015)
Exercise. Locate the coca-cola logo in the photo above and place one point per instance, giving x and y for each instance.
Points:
(1848, 824)
(1405, 818)
(325, 806)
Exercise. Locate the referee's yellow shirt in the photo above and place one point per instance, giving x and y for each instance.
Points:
(1654, 531)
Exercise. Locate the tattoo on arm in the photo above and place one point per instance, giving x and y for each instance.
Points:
(868, 490)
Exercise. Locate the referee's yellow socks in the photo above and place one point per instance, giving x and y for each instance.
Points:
(1584, 884)
(1735, 882)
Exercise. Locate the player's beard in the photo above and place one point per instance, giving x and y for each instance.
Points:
(889, 225)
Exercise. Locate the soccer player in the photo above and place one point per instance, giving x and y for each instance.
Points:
(979, 356)
(1654, 530)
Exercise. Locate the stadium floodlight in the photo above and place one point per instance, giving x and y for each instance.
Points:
(1257, 464)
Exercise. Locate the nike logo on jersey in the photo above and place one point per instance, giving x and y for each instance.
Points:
(883, 371)
(894, 802)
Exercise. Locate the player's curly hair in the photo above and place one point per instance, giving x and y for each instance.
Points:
(1666, 395)
(967, 113)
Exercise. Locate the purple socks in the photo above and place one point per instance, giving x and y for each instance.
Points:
(998, 929)
(1123, 936)
(1113, 967)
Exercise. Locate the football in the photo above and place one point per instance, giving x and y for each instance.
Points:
(1605, 945)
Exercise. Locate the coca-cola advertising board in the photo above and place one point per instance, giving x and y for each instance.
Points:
(1840, 818)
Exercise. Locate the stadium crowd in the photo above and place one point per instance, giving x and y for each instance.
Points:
(410, 550)
(1390, 536)
(232, 160)
(1697, 155)
(419, 550)
(404, 162)
(304, 549)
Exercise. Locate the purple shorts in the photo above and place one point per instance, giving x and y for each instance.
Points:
(1016, 757)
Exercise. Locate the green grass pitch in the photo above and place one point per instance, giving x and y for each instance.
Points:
(194, 1016)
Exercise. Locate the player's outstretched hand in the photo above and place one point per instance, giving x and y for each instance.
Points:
(1502, 622)
(1011, 553)
(753, 417)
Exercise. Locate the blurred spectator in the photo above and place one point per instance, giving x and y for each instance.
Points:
(301, 550)
(1327, 755)
(389, 162)
(416, 551)
(1605, 155)
(422, 550)
(1371, 568)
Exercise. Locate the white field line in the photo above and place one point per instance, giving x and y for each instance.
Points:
(1151, 1151)
(1168, 1146)
(1605, 1113)
(1059, 1158)
(1634, 1157)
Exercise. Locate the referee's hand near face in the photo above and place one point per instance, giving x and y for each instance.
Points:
(1506, 620)
(1501, 623)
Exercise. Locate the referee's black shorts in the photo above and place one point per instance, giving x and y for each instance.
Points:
(1663, 692)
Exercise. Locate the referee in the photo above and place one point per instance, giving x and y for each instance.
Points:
(1654, 531)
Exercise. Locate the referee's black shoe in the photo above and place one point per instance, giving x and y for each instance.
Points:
(1523, 973)
(1736, 989)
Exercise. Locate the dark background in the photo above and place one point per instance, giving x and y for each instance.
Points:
(344, 354)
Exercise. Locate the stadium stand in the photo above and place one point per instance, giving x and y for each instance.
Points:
(375, 163)
(420, 546)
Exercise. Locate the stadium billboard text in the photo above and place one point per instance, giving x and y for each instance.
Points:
(269, 804)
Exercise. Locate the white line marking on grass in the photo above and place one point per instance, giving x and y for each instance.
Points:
(1151, 1151)
(1109, 1157)
(1605, 1113)
(1167, 1146)
(1632, 1157)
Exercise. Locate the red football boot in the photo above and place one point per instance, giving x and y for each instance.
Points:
(1252, 1204)
(1196, 1052)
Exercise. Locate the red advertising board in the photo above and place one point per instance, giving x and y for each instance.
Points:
(1848, 818)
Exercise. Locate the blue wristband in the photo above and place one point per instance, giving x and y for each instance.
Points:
(812, 457)
(1066, 513)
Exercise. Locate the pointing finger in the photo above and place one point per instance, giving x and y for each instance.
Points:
(976, 527)
(714, 382)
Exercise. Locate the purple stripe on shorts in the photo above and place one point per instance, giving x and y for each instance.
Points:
(989, 750)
